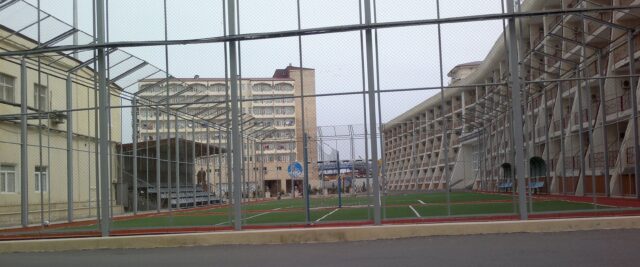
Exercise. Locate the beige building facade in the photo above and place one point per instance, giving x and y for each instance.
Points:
(272, 120)
(578, 132)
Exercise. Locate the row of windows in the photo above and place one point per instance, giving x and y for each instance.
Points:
(271, 110)
(276, 146)
(277, 158)
(201, 88)
(7, 92)
(276, 122)
(270, 99)
(281, 87)
(175, 88)
(8, 182)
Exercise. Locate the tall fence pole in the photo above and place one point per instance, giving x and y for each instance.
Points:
(69, 150)
(134, 137)
(158, 163)
(24, 152)
(514, 68)
(235, 121)
(103, 92)
(372, 115)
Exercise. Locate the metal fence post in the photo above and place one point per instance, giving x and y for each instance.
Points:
(235, 122)
(69, 133)
(103, 91)
(372, 115)
(24, 152)
(514, 68)
(134, 136)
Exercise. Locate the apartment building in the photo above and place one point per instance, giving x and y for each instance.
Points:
(577, 104)
(272, 120)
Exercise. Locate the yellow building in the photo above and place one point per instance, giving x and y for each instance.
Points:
(46, 81)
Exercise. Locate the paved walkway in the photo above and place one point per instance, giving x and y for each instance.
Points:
(587, 248)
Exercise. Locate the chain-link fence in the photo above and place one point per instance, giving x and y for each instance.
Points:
(122, 117)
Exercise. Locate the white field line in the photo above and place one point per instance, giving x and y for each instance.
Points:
(327, 215)
(414, 211)
(251, 217)
(421, 202)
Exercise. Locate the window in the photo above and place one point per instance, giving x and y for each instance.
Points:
(42, 179)
(7, 179)
(40, 97)
(7, 86)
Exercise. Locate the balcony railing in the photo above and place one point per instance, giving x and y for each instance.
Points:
(585, 113)
(550, 94)
(555, 21)
(598, 159)
(622, 51)
(537, 100)
(538, 39)
(560, 124)
(571, 163)
(631, 158)
(592, 26)
(618, 104)
(540, 131)
(457, 105)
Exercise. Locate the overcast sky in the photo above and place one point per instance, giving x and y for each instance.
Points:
(408, 57)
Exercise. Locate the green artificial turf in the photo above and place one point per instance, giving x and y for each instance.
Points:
(291, 211)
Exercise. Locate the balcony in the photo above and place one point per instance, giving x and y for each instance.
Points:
(560, 124)
(553, 23)
(593, 26)
(551, 94)
(541, 131)
(617, 104)
(622, 52)
(585, 113)
(469, 100)
(567, 85)
(535, 103)
(537, 40)
(598, 159)
(457, 105)
(455, 142)
(571, 163)
(631, 159)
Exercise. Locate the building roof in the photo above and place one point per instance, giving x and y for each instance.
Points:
(285, 73)
(201, 148)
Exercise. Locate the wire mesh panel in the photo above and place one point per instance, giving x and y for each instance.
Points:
(125, 117)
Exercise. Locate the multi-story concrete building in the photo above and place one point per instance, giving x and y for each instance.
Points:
(272, 116)
(578, 125)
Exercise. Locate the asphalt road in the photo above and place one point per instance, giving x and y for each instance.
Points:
(593, 248)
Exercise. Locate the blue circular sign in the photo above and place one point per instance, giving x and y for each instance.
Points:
(295, 169)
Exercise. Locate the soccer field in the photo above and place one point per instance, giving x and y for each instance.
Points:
(325, 210)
